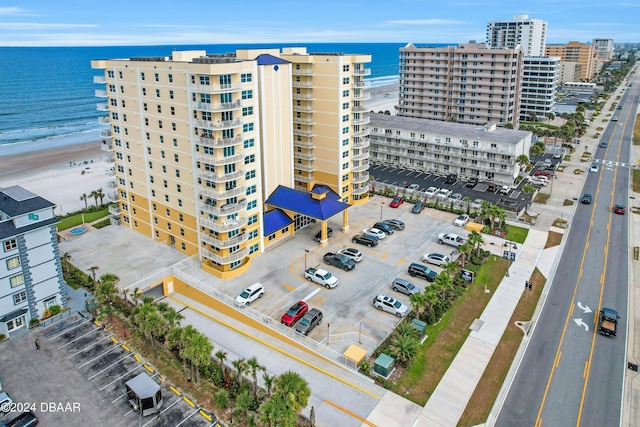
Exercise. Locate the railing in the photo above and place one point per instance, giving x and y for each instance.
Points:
(363, 143)
(100, 93)
(109, 171)
(360, 178)
(219, 161)
(303, 144)
(361, 84)
(351, 337)
(105, 133)
(222, 195)
(99, 79)
(304, 156)
(206, 106)
(48, 321)
(360, 190)
(304, 178)
(360, 168)
(361, 156)
(304, 167)
(109, 159)
(303, 120)
(112, 184)
(104, 120)
(362, 120)
(226, 259)
(306, 84)
(226, 243)
(274, 324)
(303, 132)
(228, 209)
(361, 133)
(102, 106)
(219, 124)
(106, 147)
(221, 142)
(227, 176)
(226, 225)
(217, 88)
(304, 96)
(115, 210)
(308, 71)
(303, 108)
(362, 72)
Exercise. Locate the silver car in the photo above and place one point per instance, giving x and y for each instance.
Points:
(435, 259)
(404, 286)
(390, 305)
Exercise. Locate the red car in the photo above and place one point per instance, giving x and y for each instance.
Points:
(397, 201)
(543, 173)
(294, 313)
(618, 209)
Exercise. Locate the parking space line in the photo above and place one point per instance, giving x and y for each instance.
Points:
(68, 330)
(190, 415)
(384, 255)
(160, 414)
(88, 347)
(400, 261)
(98, 357)
(81, 336)
(124, 395)
(109, 367)
(121, 376)
(305, 299)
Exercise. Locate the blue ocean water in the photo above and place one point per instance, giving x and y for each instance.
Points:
(49, 91)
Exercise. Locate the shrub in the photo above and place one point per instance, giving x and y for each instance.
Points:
(55, 309)
(222, 399)
(47, 314)
(2, 337)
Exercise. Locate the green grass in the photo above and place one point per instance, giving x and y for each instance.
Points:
(75, 220)
(517, 234)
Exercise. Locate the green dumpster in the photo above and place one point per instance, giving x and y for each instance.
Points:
(384, 365)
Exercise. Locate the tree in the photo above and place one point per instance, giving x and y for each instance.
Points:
(107, 293)
(240, 367)
(94, 194)
(501, 216)
(134, 295)
(535, 151)
(66, 260)
(295, 390)
(244, 401)
(222, 355)
(186, 335)
(154, 326)
(522, 160)
(110, 277)
(93, 270)
(550, 116)
(198, 352)
(254, 367)
(464, 249)
(493, 214)
(533, 117)
(169, 313)
(476, 240)
(84, 198)
(268, 382)
(100, 195)
(508, 125)
(450, 268)
(417, 301)
(405, 347)
(276, 412)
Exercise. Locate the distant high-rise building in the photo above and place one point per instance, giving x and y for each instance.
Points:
(582, 53)
(530, 33)
(466, 84)
(200, 142)
(539, 86)
(569, 72)
(604, 48)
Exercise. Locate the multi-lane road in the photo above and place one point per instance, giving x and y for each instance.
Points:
(570, 374)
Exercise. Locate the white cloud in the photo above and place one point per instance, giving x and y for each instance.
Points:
(424, 22)
(12, 11)
(29, 26)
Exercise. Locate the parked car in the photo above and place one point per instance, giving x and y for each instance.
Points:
(390, 305)
(543, 173)
(396, 202)
(557, 156)
(309, 321)
(547, 162)
(413, 187)
(618, 209)
(318, 235)
(422, 271)
(25, 419)
(461, 221)
(435, 259)
(594, 168)
(476, 204)
(365, 239)
(339, 260)
(444, 193)
(418, 207)
(352, 254)
(404, 286)
(295, 313)
(250, 294)
(472, 182)
(451, 178)
(432, 191)
(586, 199)
(395, 223)
(456, 197)
(492, 187)
(384, 227)
(374, 232)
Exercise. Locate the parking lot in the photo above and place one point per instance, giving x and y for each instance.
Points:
(78, 378)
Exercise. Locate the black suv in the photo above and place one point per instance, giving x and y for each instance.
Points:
(386, 228)
(319, 234)
(422, 271)
(586, 199)
(365, 239)
(451, 178)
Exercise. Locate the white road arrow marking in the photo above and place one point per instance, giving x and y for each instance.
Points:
(579, 322)
(586, 308)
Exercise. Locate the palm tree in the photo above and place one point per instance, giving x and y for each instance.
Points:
(186, 334)
(535, 151)
(134, 295)
(493, 213)
(84, 198)
(501, 215)
(294, 388)
(405, 347)
(276, 412)
(100, 195)
(169, 313)
(94, 194)
(464, 249)
(450, 268)
(240, 366)
(529, 191)
(475, 239)
(254, 367)
(93, 270)
(417, 301)
(244, 401)
(268, 382)
(467, 201)
(106, 293)
(155, 327)
(550, 116)
(199, 352)
(222, 355)
(66, 259)
(110, 277)
(522, 160)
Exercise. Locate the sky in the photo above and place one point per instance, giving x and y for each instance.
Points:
(175, 22)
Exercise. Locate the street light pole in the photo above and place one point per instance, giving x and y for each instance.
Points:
(305, 259)
(381, 205)
(509, 245)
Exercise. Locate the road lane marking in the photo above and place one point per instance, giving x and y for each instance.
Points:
(305, 299)
(348, 412)
(287, 287)
(585, 371)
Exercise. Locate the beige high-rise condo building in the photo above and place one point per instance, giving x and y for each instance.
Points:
(582, 53)
(467, 83)
(604, 49)
(530, 33)
(200, 141)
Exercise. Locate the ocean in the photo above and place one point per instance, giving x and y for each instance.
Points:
(48, 92)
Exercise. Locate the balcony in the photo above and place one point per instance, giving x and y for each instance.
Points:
(225, 225)
(228, 209)
(303, 108)
(360, 190)
(109, 159)
(221, 142)
(306, 71)
(304, 178)
(362, 72)
(226, 259)
(359, 109)
(361, 84)
(225, 243)
(106, 146)
(304, 156)
(102, 106)
(115, 209)
(303, 120)
(100, 93)
(214, 177)
(104, 120)
(219, 161)
(106, 133)
(361, 133)
(99, 79)
(218, 124)
(303, 144)
(360, 178)
(364, 142)
(222, 194)
(303, 96)
(217, 88)
(361, 168)
(362, 120)
(362, 156)
(303, 132)
(110, 171)
(112, 184)
(306, 84)
(304, 167)
(206, 106)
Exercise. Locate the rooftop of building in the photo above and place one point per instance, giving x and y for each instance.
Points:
(320, 203)
(457, 130)
(16, 201)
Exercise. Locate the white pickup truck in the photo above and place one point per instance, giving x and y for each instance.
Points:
(321, 277)
(450, 239)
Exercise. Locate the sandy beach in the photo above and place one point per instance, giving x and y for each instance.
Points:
(383, 98)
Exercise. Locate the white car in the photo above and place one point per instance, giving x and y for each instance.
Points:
(476, 204)
(537, 181)
(435, 259)
(375, 232)
(250, 294)
(431, 191)
(594, 168)
(351, 253)
(461, 221)
(413, 187)
(390, 305)
(444, 193)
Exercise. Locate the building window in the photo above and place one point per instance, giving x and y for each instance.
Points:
(10, 245)
(170, 94)
(16, 280)
(13, 263)
(251, 205)
(253, 248)
(249, 143)
(176, 158)
(345, 166)
(345, 93)
(247, 111)
(19, 297)
(253, 234)
(345, 130)
(345, 118)
(157, 93)
(247, 127)
(144, 91)
(247, 94)
(252, 219)
(183, 246)
(249, 159)
(345, 105)
(141, 76)
(170, 76)
(178, 173)
(251, 189)
(250, 174)
(345, 81)
(245, 78)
